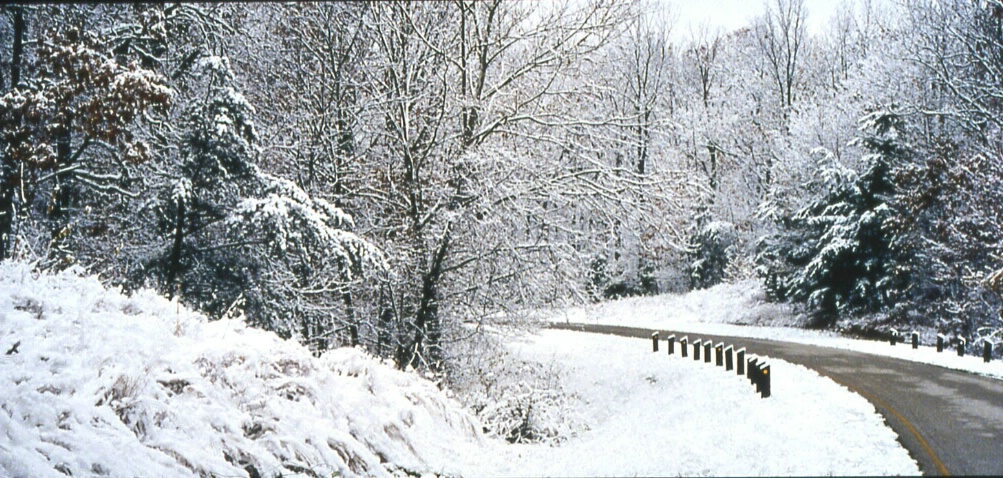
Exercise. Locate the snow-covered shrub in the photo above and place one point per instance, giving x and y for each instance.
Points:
(615, 281)
(523, 403)
(711, 250)
(99, 384)
(516, 400)
(598, 278)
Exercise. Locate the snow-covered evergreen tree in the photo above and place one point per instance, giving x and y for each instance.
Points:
(837, 254)
(239, 238)
(710, 249)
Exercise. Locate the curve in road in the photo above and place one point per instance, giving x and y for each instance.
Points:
(950, 421)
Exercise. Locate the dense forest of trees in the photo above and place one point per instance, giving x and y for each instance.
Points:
(401, 175)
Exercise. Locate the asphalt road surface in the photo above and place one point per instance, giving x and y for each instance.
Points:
(951, 422)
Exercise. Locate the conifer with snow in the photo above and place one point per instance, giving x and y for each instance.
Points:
(711, 248)
(239, 238)
(836, 254)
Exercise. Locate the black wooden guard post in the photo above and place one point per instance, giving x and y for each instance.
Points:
(961, 347)
(764, 379)
(987, 351)
(895, 337)
(756, 369)
(915, 340)
(940, 342)
(759, 375)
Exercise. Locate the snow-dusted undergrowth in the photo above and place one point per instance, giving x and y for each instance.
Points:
(99, 384)
(517, 400)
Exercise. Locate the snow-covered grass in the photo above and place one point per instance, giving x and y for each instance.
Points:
(95, 383)
(741, 310)
(100, 384)
(655, 415)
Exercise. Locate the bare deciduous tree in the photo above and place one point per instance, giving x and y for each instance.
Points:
(781, 35)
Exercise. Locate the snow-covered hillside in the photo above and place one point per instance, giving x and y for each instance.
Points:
(99, 384)
(94, 383)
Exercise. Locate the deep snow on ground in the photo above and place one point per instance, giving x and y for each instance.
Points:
(99, 384)
(106, 385)
(741, 310)
(657, 415)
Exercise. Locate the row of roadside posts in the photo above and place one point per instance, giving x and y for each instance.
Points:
(960, 343)
(754, 368)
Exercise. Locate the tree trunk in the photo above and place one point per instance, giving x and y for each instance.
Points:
(18, 49)
(174, 266)
(62, 195)
(8, 188)
(353, 322)
(428, 330)
(8, 170)
(383, 336)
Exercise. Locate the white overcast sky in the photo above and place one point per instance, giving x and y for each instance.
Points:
(734, 14)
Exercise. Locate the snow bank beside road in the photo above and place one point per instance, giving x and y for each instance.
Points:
(742, 303)
(741, 310)
(100, 384)
(658, 415)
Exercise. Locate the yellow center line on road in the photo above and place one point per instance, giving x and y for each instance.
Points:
(912, 428)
